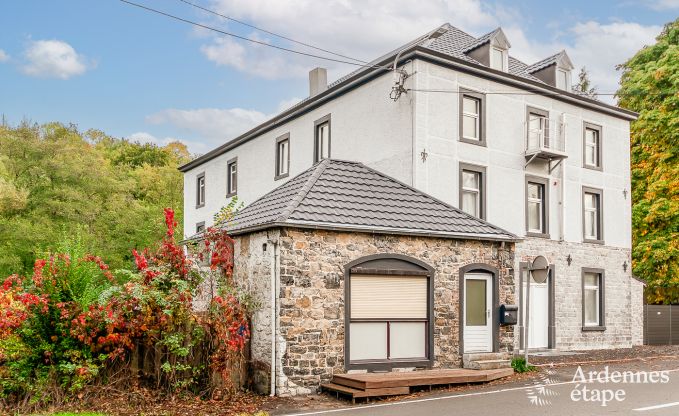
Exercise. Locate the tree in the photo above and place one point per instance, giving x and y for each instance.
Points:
(56, 182)
(650, 86)
(584, 86)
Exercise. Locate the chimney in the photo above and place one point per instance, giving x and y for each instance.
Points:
(318, 81)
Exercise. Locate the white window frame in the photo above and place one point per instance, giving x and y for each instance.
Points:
(599, 291)
(539, 202)
(476, 116)
(596, 146)
(319, 139)
(503, 58)
(480, 193)
(232, 177)
(282, 160)
(596, 211)
(566, 79)
(200, 190)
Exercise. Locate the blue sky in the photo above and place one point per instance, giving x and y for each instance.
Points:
(107, 65)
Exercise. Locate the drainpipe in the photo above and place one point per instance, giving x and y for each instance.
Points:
(413, 102)
(562, 179)
(274, 310)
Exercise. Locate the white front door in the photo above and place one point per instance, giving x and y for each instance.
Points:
(538, 328)
(477, 313)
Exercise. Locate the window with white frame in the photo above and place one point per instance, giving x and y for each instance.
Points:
(592, 215)
(536, 207)
(538, 128)
(592, 146)
(472, 190)
(200, 190)
(563, 79)
(232, 177)
(498, 59)
(592, 299)
(282, 156)
(322, 139)
(471, 118)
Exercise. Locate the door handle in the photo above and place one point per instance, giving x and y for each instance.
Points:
(487, 313)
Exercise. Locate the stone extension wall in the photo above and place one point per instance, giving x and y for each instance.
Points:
(623, 294)
(311, 320)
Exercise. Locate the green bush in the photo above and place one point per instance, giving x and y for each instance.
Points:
(520, 366)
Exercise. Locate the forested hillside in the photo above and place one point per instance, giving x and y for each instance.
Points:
(58, 185)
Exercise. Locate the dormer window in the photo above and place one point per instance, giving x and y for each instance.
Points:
(498, 59)
(563, 79)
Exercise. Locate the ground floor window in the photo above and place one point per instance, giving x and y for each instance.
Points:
(593, 312)
(388, 318)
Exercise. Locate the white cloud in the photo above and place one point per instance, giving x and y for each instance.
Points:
(662, 4)
(601, 47)
(54, 59)
(285, 104)
(363, 29)
(3, 56)
(214, 125)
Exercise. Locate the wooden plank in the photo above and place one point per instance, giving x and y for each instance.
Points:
(356, 393)
(367, 381)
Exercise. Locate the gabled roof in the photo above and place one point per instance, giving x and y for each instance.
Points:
(560, 59)
(343, 195)
(451, 46)
(496, 36)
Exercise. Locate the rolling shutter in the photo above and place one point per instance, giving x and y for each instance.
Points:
(388, 297)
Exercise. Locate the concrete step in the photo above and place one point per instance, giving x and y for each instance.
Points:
(488, 364)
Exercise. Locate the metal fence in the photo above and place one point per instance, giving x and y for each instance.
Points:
(661, 324)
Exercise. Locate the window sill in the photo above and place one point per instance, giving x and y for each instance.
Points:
(590, 167)
(538, 235)
(277, 177)
(600, 242)
(473, 141)
(593, 328)
(229, 195)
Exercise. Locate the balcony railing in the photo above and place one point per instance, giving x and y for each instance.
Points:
(545, 138)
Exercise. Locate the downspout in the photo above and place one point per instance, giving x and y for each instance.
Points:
(562, 187)
(413, 102)
(274, 310)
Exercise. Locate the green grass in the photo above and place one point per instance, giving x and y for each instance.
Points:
(519, 365)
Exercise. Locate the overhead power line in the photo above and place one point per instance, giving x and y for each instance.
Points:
(361, 65)
(270, 32)
(181, 19)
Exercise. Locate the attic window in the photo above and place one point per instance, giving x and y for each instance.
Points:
(563, 79)
(498, 59)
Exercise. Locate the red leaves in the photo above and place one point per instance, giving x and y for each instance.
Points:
(103, 266)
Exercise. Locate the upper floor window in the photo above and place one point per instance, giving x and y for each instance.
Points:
(538, 128)
(592, 215)
(563, 79)
(200, 190)
(472, 119)
(472, 190)
(322, 139)
(537, 213)
(592, 146)
(593, 313)
(498, 59)
(232, 177)
(282, 156)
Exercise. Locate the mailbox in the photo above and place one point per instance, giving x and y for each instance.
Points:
(509, 314)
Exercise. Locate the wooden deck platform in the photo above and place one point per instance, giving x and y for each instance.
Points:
(393, 383)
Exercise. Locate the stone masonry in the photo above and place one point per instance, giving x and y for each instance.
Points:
(310, 342)
(623, 294)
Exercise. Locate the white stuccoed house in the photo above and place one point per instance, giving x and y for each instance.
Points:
(466, 123)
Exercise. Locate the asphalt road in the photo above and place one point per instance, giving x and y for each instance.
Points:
(556, 392)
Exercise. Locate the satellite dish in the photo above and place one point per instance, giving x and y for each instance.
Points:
(539, 269)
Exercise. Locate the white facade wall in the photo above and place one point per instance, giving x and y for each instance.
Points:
(389, 136)
(366, 126)
(437, 132)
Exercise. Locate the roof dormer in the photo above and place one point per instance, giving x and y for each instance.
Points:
(554, 70)
(491, 50)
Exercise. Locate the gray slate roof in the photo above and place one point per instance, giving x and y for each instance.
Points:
(543, 63)
(343, 195)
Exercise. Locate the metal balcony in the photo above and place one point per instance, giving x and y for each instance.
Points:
(545, 140)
